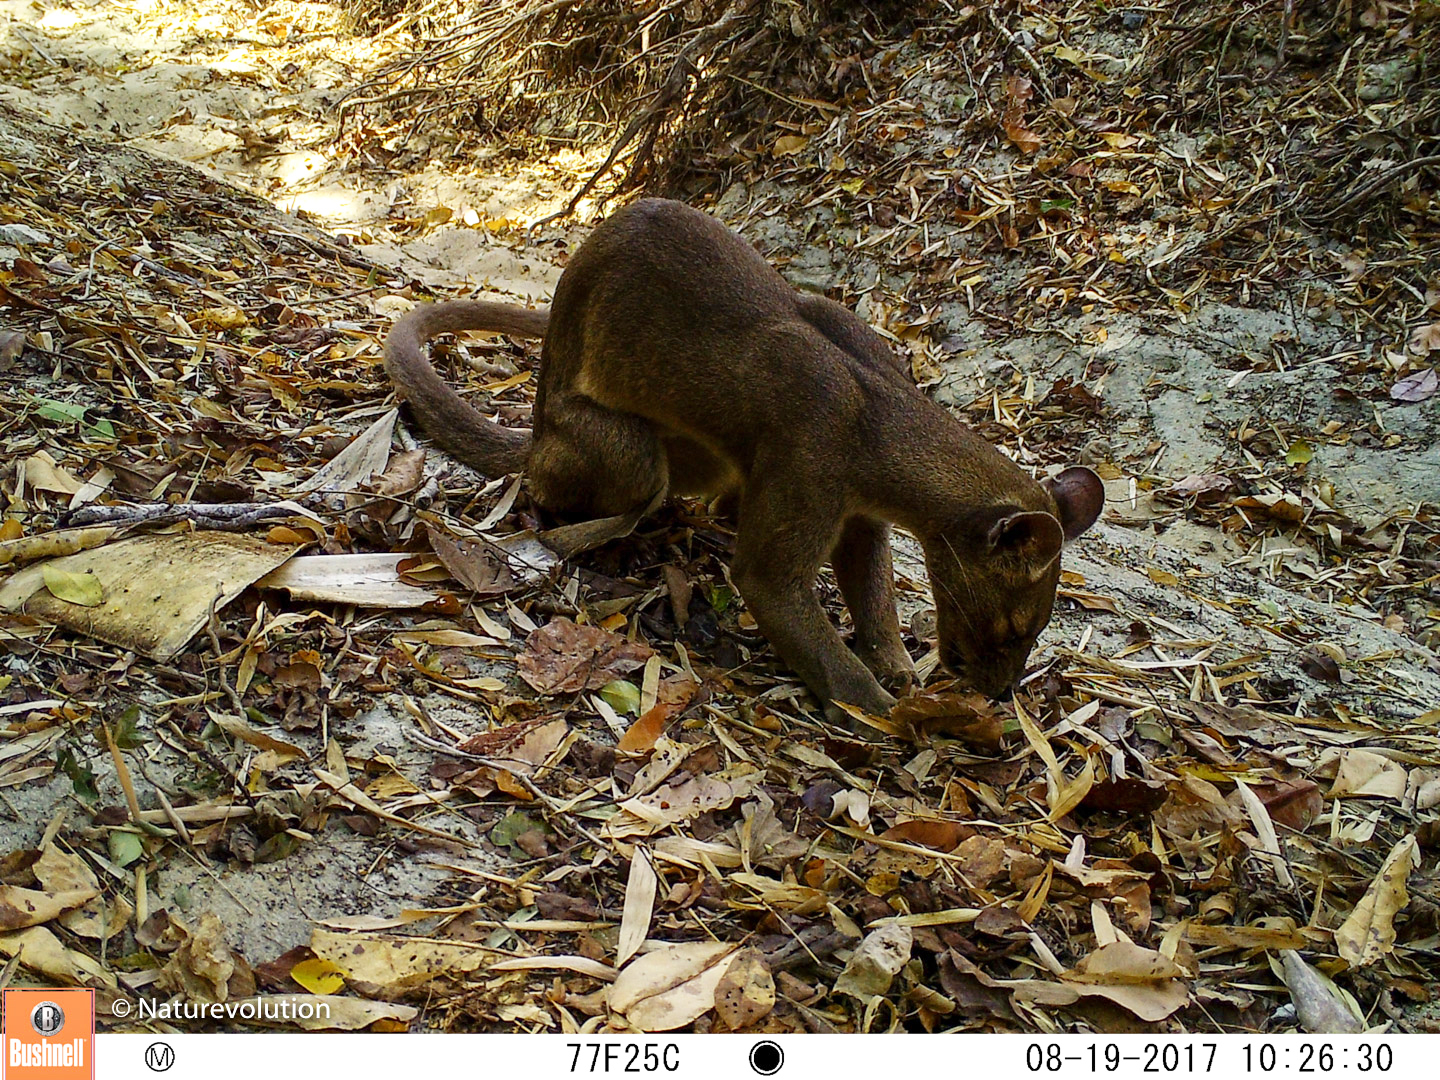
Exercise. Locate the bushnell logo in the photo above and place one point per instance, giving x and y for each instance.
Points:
(47, 1019)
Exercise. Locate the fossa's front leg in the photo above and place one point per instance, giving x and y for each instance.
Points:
(866, 577)
(782, 540)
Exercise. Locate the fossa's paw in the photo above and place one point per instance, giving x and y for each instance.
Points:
(895, 673)
(880, 704)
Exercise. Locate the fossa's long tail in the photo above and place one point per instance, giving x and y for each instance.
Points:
(446, 416)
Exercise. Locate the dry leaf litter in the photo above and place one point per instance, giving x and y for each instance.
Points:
(591, 800)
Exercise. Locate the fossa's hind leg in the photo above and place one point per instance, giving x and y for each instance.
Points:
(589, 461)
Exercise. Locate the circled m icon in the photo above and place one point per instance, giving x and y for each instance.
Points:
(159, 1056)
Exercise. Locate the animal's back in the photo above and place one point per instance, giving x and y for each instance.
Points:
(666, 313)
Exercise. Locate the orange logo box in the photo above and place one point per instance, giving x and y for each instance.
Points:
(49, 1035)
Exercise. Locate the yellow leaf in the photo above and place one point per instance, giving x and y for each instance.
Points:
(506, 383)
(219, 318)
(790, 144)
(1369, 932)
(1300, 453)
(318, 976)
(76, 588)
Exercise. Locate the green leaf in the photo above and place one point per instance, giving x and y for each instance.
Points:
(82, 777)
(511, 826)
(75, 588)
(60, 412)
(126, 733)
(125, 847)
(280, 846)
(1300, 453)
(622, 696)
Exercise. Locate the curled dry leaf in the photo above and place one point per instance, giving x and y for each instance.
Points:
(205, 968)
(477, 564)
(563, 657)
(639, 905)
(1365, 774)
(670, 986)
(43, 472)
(745, 994)
(875, 963)
(403, 475)
(939, 835)
(1319, 1005)
(1417, 387)
(1141, 980)
(971, 718)
(30, 907)
(1425, 339)
(1369, 932)
(1272, 934)
(23, 549)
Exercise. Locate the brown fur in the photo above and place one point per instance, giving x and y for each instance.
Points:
(676, 359)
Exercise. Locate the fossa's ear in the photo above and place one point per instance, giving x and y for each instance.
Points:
(1031, 535)
(1079, 495)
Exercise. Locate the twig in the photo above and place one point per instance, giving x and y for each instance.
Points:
(1370, 187)
(551, 803)
(228, 517)
(1030, 61)
(669, 93)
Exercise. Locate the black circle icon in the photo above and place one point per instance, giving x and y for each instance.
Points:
(766, 1058)
(159, 1057)
(47, 1019)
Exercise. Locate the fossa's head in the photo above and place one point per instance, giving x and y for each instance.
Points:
(994, 573)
